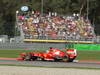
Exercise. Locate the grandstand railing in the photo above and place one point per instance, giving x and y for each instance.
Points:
(43, 37)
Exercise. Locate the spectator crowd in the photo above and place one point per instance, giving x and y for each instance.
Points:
(52, 26)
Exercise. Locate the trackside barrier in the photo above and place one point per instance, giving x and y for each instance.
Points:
(85, 46)
(31, 46)
(45, 46)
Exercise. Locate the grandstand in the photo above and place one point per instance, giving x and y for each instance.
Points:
(54, 28)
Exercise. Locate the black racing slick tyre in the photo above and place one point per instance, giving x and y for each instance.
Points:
(71, 59)
(56, 60)
(28, 57)
(65, 58)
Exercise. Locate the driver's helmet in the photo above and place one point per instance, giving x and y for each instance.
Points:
(50, 49)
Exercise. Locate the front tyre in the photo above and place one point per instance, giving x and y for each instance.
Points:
(28, 57)
(65, 58)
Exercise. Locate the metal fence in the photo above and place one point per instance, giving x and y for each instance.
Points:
(37, 46)
(31, 46)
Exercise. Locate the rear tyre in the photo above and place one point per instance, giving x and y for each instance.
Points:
(43, 59)
(71, 59)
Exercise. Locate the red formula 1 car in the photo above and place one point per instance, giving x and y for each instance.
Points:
(53, 54)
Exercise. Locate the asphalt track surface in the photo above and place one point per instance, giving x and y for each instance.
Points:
(78, 64)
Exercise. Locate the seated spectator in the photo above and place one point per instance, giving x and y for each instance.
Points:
(54, 27)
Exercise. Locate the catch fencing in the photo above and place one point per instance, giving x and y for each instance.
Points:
(31, 46)
(45, 46)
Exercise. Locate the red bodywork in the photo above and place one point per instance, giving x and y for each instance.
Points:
(55, 54)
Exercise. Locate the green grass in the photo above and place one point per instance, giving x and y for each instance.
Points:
(13, 53)
(82, 55)
(88, 55)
